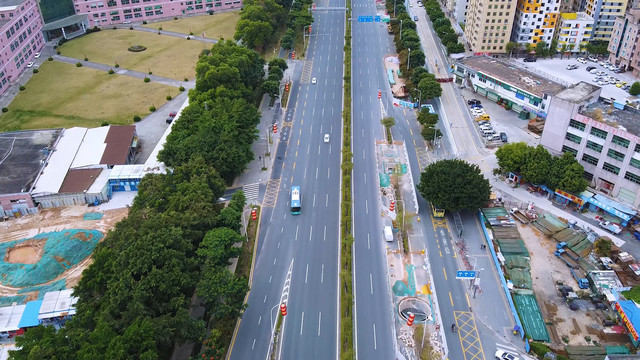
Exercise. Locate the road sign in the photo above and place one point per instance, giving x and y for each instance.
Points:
(461, 274)
(369, 18)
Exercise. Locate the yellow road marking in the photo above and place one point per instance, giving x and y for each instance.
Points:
(440, 253)
(468, 302)
(411, 131)
(445, 274)
(298, 142)
(451, 298)
(294, 165)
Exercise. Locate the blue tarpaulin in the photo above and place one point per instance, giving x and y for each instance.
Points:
(30, 315)
(614, 208)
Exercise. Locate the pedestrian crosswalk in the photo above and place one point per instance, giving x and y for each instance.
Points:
(251, 191)
(306, 72)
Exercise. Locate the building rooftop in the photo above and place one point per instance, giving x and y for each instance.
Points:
(79, 180)
(22, 157)
(60, 161)
(579, 93)
(625, 119)
(10, 3)
(118, 140)
(512, 75)
(576, 16)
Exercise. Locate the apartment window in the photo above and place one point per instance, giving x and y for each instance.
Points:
(573, 138)
(635, 163)
(127, 11)
(611, 168)
(620, 141)
(148, 13)
(147, 8)
(589, 159)
(158, 12)
(115, 18)
(615, 155)
(128, 16)
(124, 2)
(593, 146)
(565, 148)
(112, 3)
(113, 13)
(577, 125)
(632, 177)
(599, 133)
(637, 148)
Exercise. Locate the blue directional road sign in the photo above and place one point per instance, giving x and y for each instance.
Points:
(368, 18)
(465, 274)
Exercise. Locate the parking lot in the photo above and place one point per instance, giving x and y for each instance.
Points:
(556, 70)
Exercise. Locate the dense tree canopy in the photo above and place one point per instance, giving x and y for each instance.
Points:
(512, 156)
(454, 185)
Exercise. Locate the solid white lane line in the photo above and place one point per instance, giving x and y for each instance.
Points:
(301, 323)
(254, 344)
(375, 341)
(324, 236)
(316, 173)
(265, 299)
(306, 275)
(259, 320)
(296, 232)
(322, 275)
(310, 232)
(319, 322)
(366, 206)
(368, 242)
(275, 260)
(329, 173)
(326, 201)
(365, 178)
(314, 200)
(270, 279)
(371, 282)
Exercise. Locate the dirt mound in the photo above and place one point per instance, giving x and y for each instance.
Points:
(28, 252)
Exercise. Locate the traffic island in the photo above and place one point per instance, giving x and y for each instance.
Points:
(416, 325)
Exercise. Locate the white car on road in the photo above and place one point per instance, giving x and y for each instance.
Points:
(313, 81)
(326, 138)
(30, 64)
(503, 355)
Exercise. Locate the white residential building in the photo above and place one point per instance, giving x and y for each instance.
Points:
(574, 31)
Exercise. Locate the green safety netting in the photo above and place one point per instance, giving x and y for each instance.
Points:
(511, 261)
(412, 284)
(384, 180)
(512, 247)
(9, 300)
(61, 250)
(43, 289)
(530, 315)
(92, 216)
(400, 288)
(616, 349)
(520, 277)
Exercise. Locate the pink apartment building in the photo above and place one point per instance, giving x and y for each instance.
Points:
(107, 12)
(20, 38)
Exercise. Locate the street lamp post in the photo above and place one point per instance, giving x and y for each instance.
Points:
(409, 59)
(400, 29)
(419, 98)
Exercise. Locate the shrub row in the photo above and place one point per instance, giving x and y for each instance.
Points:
(442, 26)
(347, 351)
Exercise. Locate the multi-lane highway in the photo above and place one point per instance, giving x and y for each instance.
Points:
(306, 246)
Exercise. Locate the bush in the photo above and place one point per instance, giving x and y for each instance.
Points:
(539, 348)
(169, 97)
(86, 58)
(144, 22)
(146, 79)
(136, 48)
(136, 118)
(130, 27)
(181, 88)
(635, 89)
(185, 79)
(188, 37)
(117, 65)
(93, 29)
(159, 28)
(114, 27)
(22, 88)
(111, 72)
(35, 71)
(4, 109)
(104, 123)
(78, 64)
(175, 18)
(191, 33)
(58, 52)
(152, 108)
(49, 58)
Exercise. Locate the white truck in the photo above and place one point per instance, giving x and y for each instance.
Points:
(614, 228)
(388, 233)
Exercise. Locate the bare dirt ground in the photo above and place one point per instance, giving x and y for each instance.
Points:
(50, 220)
(546, 271)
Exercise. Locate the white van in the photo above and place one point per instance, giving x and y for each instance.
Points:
(388, 233)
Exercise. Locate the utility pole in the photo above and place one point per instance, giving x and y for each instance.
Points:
(408, 59)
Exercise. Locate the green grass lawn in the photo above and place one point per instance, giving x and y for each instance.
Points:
(166, 56)
(222, 25)
(62, 95)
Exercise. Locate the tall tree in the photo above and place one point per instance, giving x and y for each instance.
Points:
(512, 157)
(430, 89)
(510, 47)
(537, 165)
(454, 185)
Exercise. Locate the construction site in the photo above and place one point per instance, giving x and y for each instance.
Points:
(564, 293)
(48, 251)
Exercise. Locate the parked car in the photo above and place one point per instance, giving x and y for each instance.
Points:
(593, 71)
(572, 67)
(37, 55)
(173, 114)
(589, 68)
(592, 58)
(601, 73)
(474, 102)
(529, 59)
(503, 137)
(415, 18)
(169, 120)
(619, 70)
(503, 355)
(602, 63)
(127, 22)
(581, 60)
(30, 64)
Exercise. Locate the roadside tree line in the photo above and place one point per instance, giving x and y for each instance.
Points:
(259, 22)
(537, 166)
(442, 26)
(134, 297)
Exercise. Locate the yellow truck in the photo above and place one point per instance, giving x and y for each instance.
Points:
(389, 29)
(483, 117)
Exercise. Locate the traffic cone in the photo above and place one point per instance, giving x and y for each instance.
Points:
(392, 206)
(283, 309)
(410, 319)
(253, 215)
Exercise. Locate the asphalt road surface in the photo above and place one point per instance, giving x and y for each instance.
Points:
(306, 244)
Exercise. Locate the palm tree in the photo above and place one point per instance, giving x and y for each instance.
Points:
(563, 50)
(388, 122)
